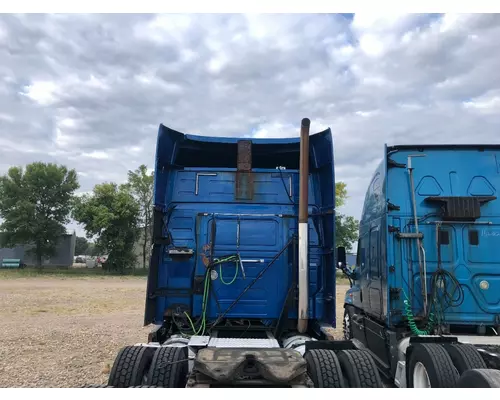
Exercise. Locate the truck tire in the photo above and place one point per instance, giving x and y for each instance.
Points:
(347, 322)
(107, 386)
(465, 356)
(143, 387)
(169, 368)
(359, 369)
(130, 366)
(324, 369)
(480, 378)
(431, 366)
(96, 386)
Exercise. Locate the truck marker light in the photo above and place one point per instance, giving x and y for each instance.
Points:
(484, 285)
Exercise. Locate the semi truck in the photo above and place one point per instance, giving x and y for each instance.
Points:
(425, 292)
(241, 289)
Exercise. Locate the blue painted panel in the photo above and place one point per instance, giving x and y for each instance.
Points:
(467, 250)
(196, 183)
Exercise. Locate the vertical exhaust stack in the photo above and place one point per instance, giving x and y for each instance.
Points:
(303, 227)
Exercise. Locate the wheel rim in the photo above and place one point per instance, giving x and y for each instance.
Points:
(420, 376)
(347, 326)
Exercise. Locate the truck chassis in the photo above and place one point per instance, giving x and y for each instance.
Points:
(212, 361)
(298, 361)
(301, 353)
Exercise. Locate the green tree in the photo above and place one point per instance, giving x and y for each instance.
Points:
(340, 194)
(346, 231)
(346, 227)
(110, 214)
(81, 246)
(140, 184)
(92, 250)
(35, 204)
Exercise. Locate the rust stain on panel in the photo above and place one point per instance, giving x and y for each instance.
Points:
(244, 176)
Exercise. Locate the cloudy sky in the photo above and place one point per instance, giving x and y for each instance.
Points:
(89, 90)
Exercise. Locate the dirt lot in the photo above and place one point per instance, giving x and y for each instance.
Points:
(60, 332)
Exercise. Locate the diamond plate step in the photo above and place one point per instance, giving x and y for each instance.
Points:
(243, 343)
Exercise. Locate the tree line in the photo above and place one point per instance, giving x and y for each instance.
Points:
(36, 202)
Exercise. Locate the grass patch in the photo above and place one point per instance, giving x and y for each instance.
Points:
(88, 273)
(66, 273)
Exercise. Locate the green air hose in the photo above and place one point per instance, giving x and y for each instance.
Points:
(206, 291)
(411, 320)
(236, 259)
(203, 326)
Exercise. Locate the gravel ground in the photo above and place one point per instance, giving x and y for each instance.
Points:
(60, 332)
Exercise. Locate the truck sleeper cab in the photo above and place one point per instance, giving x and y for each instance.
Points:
(426, 287)
(241, 287)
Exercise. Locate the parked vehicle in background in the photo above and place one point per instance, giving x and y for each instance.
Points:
(80, 259)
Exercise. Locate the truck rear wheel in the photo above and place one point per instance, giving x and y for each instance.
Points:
(465, 357)
(430, 366)
(480, 378)
(96, 386)
(169, 368)
(324, 369)
(347, 323)
(359, 369)
(130, 366)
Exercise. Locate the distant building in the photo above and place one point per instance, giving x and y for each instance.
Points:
(65, 252)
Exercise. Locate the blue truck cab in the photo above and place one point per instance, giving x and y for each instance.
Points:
(241, 288)
(427, 263)
(237, 200)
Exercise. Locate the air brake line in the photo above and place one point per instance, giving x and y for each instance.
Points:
(206, 291)
(411, 320)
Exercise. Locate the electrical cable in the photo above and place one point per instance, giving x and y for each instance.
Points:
(200, 330)
(440, 297)
(445, 292)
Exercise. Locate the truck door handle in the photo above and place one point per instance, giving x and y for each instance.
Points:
(253, 261)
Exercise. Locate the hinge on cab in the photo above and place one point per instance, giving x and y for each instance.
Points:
(393, 229)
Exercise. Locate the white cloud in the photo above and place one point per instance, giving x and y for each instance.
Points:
(97, 154)
(90, 90)
(41, 92)
(6, 117)
(275, 130)
(489, 103)
(371, 45)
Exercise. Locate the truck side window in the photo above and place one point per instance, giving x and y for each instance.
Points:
(374, 259)
(361, 259)
(358, 255)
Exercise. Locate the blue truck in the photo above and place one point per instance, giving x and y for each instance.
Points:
(241, 288)
(425, 293)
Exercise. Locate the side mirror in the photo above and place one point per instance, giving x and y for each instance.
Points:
(341, 257)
